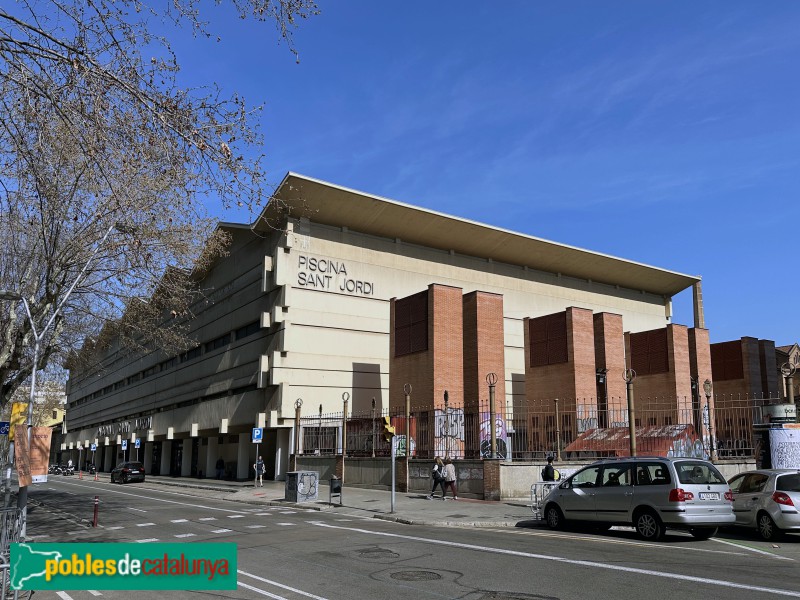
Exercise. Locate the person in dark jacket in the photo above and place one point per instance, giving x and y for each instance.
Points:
(549, 473)
(437, 474)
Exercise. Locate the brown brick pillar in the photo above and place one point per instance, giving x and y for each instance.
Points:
(401, 474)
(339, 468)
(491, 479)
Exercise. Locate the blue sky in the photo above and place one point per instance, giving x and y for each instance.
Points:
(665, 133)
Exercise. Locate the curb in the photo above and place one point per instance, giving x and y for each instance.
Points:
(428, 523)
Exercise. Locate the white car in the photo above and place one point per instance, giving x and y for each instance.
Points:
(649, 492)
(767, 500)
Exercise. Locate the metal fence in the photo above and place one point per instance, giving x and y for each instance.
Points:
(568, 428)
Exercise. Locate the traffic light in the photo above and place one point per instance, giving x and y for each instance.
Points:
(388, 430)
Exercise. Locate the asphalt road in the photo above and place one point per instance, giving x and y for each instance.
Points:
(294, 554)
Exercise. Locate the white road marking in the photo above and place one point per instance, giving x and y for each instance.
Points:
(115, 527)
(139, 496)
(570, 561)
(136, 509)
(289, 512)
(94, 593)
(260, 591)
(145, 524)
(343, 520)
(263, 514)
(64, 595)
(603, 540)
(284, 523)
(280, 585)
(207, 519)
(184, 535)
(236, 516)
(147, 540)
(221, 531)
(756, 550)
(179, 521)
(255, 526)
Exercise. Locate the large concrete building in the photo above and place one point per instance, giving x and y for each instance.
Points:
(299, 311)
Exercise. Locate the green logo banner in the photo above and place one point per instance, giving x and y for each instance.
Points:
(42, 566)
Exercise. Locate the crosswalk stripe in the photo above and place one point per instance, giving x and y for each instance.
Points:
(147, 540)
(221, 531)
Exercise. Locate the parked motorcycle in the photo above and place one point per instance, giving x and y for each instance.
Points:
(54, 470)
(68, 470)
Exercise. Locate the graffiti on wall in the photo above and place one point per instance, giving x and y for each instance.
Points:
(307, 486)
(503, 447)
(449, 432)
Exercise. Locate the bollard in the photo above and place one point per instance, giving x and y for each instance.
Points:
(80, 474)
(96, 507)
(95, 476)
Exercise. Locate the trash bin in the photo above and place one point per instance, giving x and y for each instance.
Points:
(335, 489)
(302, 486)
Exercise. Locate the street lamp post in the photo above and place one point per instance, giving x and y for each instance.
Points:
(491, 380)
(373, 428)
(558, 433)
(788, 370)
(707, 391)
(629, 375)
(38, 336)
(446, 424)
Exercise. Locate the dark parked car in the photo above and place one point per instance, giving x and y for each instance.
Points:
(125, 472)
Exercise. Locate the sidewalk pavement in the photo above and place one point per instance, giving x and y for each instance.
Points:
(409, 507)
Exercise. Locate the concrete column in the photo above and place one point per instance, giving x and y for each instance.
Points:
(186, 458)
(148, 457)
(243, 457)
(284, 445)
(212, 454)
(108, 462)
(697, 298)
(166, 456)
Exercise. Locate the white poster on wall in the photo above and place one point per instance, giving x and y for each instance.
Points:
(785, 448)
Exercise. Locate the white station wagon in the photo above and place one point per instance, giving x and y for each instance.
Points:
(650, 493)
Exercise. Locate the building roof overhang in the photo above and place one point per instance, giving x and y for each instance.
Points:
(330, 204)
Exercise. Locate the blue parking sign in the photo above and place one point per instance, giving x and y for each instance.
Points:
(124, 444)
(93, 447)
(137, 443)
(258, 435)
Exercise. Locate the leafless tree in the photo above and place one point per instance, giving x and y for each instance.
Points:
(107, 167)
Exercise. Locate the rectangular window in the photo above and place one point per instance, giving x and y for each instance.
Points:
(168, 364)
(319, 440)
(247, 330)
(193, 353)
(411, 324)
(220, 342)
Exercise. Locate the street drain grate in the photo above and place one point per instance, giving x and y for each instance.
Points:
(415, 576)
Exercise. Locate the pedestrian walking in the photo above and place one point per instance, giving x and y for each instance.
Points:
(437, 474)
(259, 468)
(449, 479)
(220, 468)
